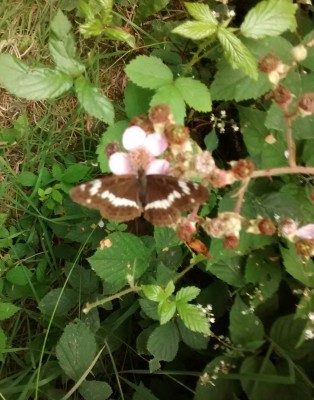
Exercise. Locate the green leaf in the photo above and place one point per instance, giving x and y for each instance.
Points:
(228, 271)
(82, 280)
(150, 308)
(66, 302)
(7, 310)
(95, 390)
(193, 318)
(188, 293)
(194, 93)
(19, 275)
(113, 134)
(195, 340)
(245, 328)
(211, 141)
(166, 310)
(163, 343)
(3, 343)
(32, 83)
(93, 101)
(148, 72)
(196, 30)
(170, 95)
(152, 292)
(136, 100)
(286, 332)
(237, 54)
(61, 27)
(148, 7)
(200, 12)
(74, 173)
(113, 266)
(141, 393)
(118, 33)
(76, 349)
(165, 238)
(301, 270)
(27, 178)
(269, 18)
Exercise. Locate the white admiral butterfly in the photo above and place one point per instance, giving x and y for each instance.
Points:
(160, 198)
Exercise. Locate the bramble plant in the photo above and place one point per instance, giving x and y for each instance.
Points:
(217, 299)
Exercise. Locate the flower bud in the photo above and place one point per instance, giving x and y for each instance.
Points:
(186, 230)
(269, 63)
(111, 148)
(204, 163)
(305, 247)
(287, 227)
(220, 178)
(282, 95)
(161, 116)
(306, 104)
(266, 227)
(299, 53)
(177, 134)
(143, 122)
(231, 242)
(242, 169)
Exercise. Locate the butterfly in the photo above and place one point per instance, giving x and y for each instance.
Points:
(160, 198)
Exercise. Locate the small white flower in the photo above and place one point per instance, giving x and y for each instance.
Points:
(223, 113)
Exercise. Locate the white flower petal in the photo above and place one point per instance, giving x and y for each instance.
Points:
(119, 164)
(133, 137)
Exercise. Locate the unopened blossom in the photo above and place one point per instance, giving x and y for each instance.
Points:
(305, 232)
(142, 152)
(306, 104)
(299, 52)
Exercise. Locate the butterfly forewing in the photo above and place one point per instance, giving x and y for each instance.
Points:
(116, 197)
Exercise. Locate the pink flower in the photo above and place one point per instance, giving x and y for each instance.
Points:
(305, 232)
(143, 148)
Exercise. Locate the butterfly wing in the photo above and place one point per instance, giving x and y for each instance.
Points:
(116, 197)
(167, 196)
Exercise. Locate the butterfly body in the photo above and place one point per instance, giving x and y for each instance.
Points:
(160, 198)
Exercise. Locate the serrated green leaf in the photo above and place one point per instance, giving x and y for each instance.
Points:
(188, 293)
(148, 72)
(65, 303)
(237, 54)
(136, 100)
(19, 275)
(76, 349)
(150, 308)
(152, 292)
(166, 310)
(193, 318)
(194, 93)
(95, 390)
(169, 289)
(32, 83)
(170, 95)
(163, 343)
(74, 173)
(195, 340)
(245, 328)
(286, 332)
(301, 270)
(211, 141)
(118, 33)
(93, 101)
(61, 27)
(228, 271)
(196, 30)
(113, 266)
(63, 60)
(200, 12)
(113, 134)
(269, 18)
(7, 310)
(27, 178)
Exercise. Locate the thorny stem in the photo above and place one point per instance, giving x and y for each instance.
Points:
(296, 169)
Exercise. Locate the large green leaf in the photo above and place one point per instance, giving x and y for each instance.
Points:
(195, 340)
(269, 18)
(127, 256)
(148, 72)
(196, 30)
(63, 300)
(95, 390)
(301, 270)
(117, 33)
(76, 349)
(193, 318)
(136, 100)
(163, 342)
(93, 101)
(200, 12)
(148, 7)
(245, 328)
(237, 54)
(194, 93)
(32, 83)
(7, 310)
